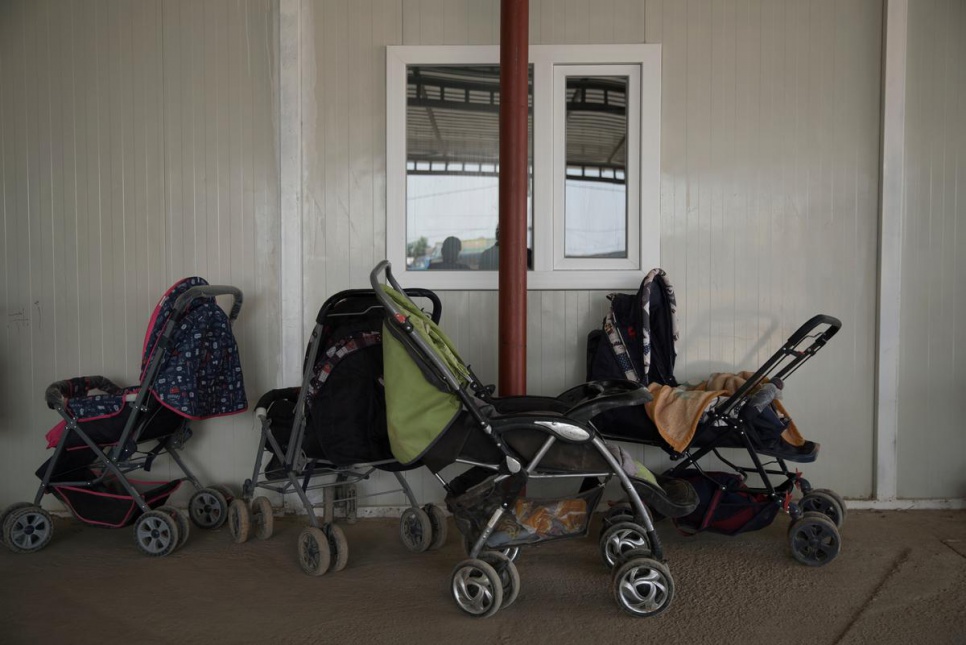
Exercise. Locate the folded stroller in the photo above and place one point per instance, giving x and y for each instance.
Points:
(728, 411)
(189, 370)
(439, 414)
(329, 434)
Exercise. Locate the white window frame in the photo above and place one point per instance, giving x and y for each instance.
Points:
(550, 62)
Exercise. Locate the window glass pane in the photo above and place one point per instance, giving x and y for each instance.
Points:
(452, 166)
(595, 215)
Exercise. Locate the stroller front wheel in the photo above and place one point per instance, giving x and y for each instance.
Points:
(156, 533)
(643, 587)
(477, 588)
(239, 520)
(814, 539)
(208, 508)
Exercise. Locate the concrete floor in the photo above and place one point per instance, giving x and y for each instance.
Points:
(901, 578)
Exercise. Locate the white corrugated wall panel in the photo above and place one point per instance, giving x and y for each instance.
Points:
(137, 146)
(770, 140)
(931, 441)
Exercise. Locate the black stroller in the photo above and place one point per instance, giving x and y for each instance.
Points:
(329, 434)
(740, 411)
(439, 414)
(190, 370)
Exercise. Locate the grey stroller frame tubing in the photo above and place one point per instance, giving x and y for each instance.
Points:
(113, 458)
(291, 483)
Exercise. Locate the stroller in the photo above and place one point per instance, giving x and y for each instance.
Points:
(330, 434)
(740, 411)
(439, 414)
(189, 370)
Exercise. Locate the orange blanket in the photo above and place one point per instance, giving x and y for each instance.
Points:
(676, 411)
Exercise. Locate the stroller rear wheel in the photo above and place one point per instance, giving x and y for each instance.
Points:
(208, 508)
(239, 520)
(263, 517)
(827, 502)
(415, 529)
(27, 529)
(338, 546)
(184, 527)
(314, 552)
(156, 533)
(438, 521)
(643, 587)
(814, 539)
(621, 538)
(477, 588)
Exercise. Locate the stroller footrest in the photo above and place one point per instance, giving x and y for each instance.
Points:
(672, 498)
(806, 453)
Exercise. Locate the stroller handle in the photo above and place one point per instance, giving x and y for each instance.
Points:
(210, 291)
(834, 325)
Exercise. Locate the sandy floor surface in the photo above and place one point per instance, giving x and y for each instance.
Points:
(901, 578)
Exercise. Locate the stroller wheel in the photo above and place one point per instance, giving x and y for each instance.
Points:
(239, 520)
(814, 539)
(263, 517)
(618, 513)
(184, 527)
(415, 529)
(27, 529)
(827, 502)
(225, 492)
(338, 546)
(208, 508)
(438, 521)
(643, 587)
(508, 573)
(477, 588)
(156, 533)
(7, 512)
(314, 553)
(621, 538)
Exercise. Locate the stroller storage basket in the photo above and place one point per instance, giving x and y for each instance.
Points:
(726, 505)
(109, 504)
(529, 520)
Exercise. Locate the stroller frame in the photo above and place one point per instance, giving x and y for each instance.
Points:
(488, 579)
(123, 457)
(420, 528)
(814, 536)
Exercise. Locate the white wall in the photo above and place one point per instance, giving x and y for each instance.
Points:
(770, 152)
(137, 146)
(931, 441)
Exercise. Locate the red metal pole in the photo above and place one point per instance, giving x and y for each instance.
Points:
(514, 28)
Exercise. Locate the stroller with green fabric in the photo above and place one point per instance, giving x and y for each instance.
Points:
(440, 414)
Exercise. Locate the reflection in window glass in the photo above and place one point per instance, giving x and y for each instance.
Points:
(595, 214)
(452, 166)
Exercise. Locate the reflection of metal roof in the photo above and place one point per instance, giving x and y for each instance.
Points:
(453, 122)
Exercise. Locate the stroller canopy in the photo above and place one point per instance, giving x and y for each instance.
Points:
(420, 405)
(201, 376)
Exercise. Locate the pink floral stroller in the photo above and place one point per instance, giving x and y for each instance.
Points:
(190, 370)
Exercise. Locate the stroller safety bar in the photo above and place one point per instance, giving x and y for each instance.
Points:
(600, 396)
(57, 393)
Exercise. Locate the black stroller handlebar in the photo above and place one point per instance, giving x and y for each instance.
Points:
(210, 291)
(57, 393)
(834, 325)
